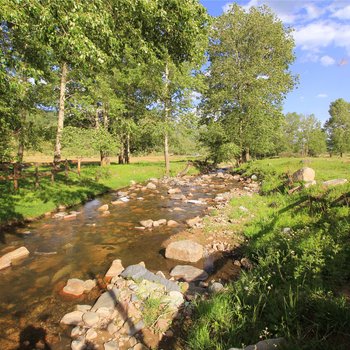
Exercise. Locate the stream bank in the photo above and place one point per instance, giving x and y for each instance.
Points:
(84, 245)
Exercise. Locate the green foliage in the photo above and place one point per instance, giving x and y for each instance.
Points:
(338, 127)
(299, 246)
(248, 77)
(303, 134)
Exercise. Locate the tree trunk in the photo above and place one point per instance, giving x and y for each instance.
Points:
(166, 117)
(246, 155)
(121, 153)
(127, 149)
(60, 122)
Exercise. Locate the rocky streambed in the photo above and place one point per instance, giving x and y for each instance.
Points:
(140, 228)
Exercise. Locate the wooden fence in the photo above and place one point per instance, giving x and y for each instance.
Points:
(15, 171)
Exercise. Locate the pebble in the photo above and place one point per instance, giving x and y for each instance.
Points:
(90, 318)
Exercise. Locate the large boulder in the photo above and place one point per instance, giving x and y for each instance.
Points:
(188, 273)
(185, 250)
(304, 174)
(6, 260)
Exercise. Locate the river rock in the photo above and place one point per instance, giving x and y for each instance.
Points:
(78, 344)
(185, 250)
(151, 186)
(74, 287)
(6, 260)
(216, 287)
(188, 273)
(91, 334)
(268, 344)
(334, 182)
(172, 223)
(139, 273)
(91, 319)
(174, 190)
(111, 345)
(73, 318)
(147, 223)
(107, 299)
(194, 221)
(160, 222)
(103, 207)
(115, 269)
(89, 285)
(304, 174)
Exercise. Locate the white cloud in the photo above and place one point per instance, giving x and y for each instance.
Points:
(322, 96)
(342, 13)
(317, 35)
(327, 60)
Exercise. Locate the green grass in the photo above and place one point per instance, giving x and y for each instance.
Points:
(300, 246)
(29, 202)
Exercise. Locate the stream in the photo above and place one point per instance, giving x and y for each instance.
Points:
(84, 247)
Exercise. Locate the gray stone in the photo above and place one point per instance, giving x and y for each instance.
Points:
(139, 273)
(73, 318)
(91, 318)
(304, 174)
(91, 334)
(185, 250)
(111, 345)
(78, 344)
(108, 299)
(132, 328)
(254, 177)
(268, 344)
(188, 273)
(77, 331)
(216, 287)
(6, 260)
(83, 308)
(334, 182)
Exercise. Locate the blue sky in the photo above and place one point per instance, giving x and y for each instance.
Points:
(322, 37)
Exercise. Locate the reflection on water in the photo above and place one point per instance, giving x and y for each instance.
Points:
(84, 248)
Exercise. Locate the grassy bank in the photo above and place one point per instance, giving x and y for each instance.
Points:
(29, 202)
(300, 247)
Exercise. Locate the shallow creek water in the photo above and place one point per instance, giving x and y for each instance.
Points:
(84, 247)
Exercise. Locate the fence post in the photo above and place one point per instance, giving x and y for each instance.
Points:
(15, 176)
(79, 163)
(36, 175)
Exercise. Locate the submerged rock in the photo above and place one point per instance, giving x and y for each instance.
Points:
(189, 273)
(103, 207)
(6, 260)
(185, 250)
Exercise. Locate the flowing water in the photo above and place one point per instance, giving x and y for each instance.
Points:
(84, 247)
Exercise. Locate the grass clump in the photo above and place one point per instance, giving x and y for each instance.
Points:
(300, 247)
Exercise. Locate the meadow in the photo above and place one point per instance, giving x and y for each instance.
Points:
(299, 245)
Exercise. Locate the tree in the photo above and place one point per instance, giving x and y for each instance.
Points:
(303, 134)
(248, 77)
(338, 127)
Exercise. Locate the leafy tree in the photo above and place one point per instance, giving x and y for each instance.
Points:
(338, 127)
(248, 77)
(303, 134)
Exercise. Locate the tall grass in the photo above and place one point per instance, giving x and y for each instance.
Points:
(300, 246)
